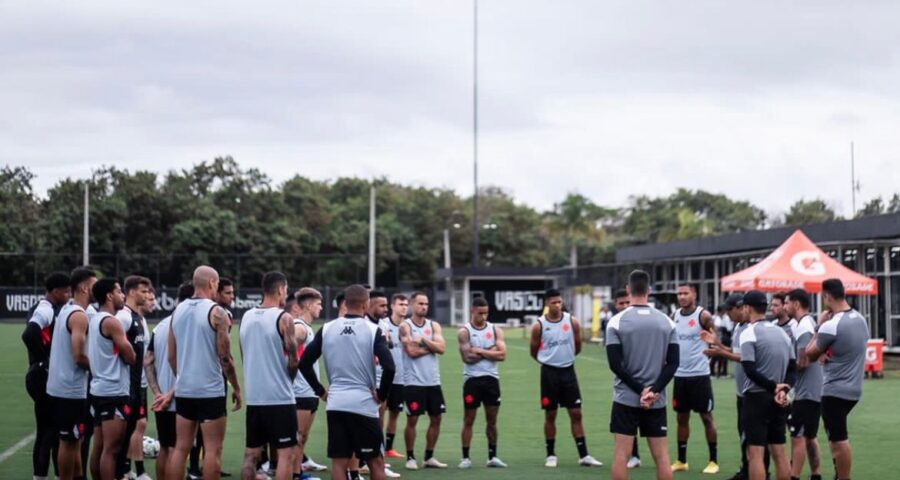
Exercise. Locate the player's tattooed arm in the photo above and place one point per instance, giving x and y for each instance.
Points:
(535, 343)
(576, 334)
(290, 343)
(706, 321)
(223, 349)
(436, 344)
(411, 346)
(465, 347)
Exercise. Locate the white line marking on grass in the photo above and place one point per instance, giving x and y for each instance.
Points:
(519, 347)
(15, 448)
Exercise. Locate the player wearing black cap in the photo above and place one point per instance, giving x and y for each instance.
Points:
(768, 360)
(733, 305)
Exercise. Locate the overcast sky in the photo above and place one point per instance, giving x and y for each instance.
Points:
(759, 100)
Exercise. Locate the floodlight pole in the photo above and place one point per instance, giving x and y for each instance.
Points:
(372, 236)
(475, 259)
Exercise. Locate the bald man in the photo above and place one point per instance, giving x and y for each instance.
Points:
(199, 353)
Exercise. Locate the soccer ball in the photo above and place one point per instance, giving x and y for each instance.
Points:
(151, 447)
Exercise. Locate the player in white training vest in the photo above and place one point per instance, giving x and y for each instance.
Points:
(161, 380)
(422, 341)
(481, 346)
(308, 307)
(350, 345)
(68, 375)
(692, 389)
(110, 355)
(269, 354)
(394, 403)
(555, 341)
(199, 351)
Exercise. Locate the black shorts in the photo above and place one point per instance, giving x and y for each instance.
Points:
(559, 388)
(395, 398)
(275, 424)
(165, 429)
(70, 418)
(693, 394)
(421, 400)
(109, 408)
(834, 416)
(478, 390)
(626, 420)
(351, 433)
(201, 409)
(764, 420)
(307, 403)
(803, 418)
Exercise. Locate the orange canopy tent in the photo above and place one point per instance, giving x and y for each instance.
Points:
(798, 263)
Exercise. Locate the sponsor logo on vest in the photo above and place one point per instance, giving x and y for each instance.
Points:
(348, 330)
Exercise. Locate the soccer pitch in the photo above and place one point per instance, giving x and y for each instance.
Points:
(874, 424)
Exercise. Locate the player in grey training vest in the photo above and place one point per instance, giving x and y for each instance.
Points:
(375, 313)
(733, 307)
(555, 341)
(841, 336)
(37, 338)
(803, 419)
(642, 350)
(308, 307)
(394, 403)
(422, 341)
(110, 354)
(350, 345)
(161, 380)
(481, 346)
(199, 351)
(68, 375)
(693, 388)
(768, 359)
(269, 354)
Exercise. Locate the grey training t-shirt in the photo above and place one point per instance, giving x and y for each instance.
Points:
(809, 380)
(766, 344)
(843, 339)
(739, 377)
(645, 334)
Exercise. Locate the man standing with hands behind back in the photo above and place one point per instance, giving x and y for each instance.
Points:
(642, 350)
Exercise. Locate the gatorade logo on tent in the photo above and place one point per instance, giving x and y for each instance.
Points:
(807, 262)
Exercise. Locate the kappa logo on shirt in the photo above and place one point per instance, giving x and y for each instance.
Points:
(348, 330)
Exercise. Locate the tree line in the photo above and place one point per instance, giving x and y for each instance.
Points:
(239, 220)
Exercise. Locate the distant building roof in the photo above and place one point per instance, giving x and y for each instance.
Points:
(866, 228)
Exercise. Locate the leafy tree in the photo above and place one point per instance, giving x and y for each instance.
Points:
(578, 221)
(874, 206)
(686, 214)
(804, 212)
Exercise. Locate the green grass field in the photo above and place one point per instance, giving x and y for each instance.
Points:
(874, 425)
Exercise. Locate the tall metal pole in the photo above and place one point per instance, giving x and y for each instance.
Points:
(475, 136)
(86, 253)
(372, 237)
(446, 248)
(853, 178)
